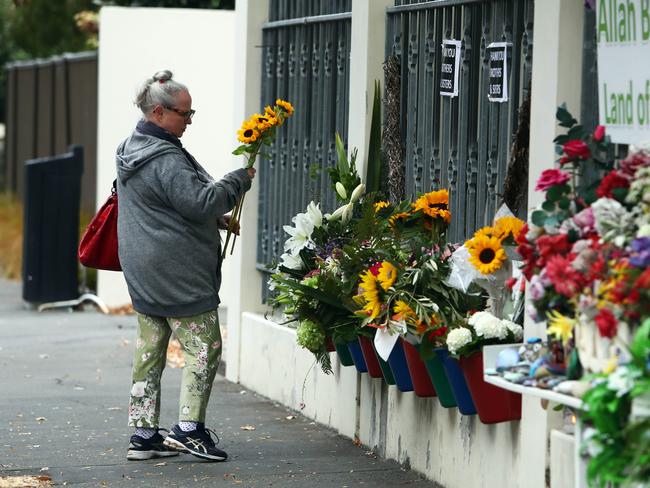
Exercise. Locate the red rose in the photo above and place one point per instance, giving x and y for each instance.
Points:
(643, 281)
(606, 322)
(599, 133)
(374, 269)
(549, 245)
(576, 149)
(521, 238)
(564, 160)
(613, 180)
(510, 283)
(566, 280)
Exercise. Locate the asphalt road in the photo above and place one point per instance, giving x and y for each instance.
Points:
(64, 384)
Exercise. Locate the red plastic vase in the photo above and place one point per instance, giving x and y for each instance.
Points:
(493, 404)
(374, 370)
(422, 385)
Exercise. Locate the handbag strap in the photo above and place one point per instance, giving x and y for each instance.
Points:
(114, 189)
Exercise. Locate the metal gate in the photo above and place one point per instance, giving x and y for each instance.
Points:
(461, 143)
(306, 60)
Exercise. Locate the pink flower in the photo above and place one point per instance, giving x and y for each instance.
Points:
(550, 178)
(566, 280)
(599, 133)
(585, 220)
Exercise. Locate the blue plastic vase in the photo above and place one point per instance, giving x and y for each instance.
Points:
(357, 356)
(397, 362)
(457, 382)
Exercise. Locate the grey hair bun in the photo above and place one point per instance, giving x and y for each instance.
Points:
(162, 76)
(160, 89)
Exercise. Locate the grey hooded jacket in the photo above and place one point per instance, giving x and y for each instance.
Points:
(169, 245)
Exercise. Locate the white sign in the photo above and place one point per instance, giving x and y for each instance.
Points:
(498, 65)
(449, 67)
(623, 36)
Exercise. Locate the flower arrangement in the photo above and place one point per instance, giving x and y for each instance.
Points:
(483, 328)
(586, 252)
(256, 131)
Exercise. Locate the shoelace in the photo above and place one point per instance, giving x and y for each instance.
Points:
(209, 434)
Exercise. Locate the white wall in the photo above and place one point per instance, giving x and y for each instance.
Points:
(198, 47)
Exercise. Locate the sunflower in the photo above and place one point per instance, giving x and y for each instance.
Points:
(387, 275)
(379, 205)
(286, 106)
(402, 311)
(248, 132)
(483, 231)
(263, 121)
(560, 326)
(392, 220)
(486, 254)
(370, 294)
(269, 112)
(434, 204)
(508, 226)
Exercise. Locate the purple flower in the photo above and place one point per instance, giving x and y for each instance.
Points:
(640, 252)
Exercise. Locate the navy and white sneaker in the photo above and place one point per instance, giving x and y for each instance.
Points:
(197, 442)
(154, 447)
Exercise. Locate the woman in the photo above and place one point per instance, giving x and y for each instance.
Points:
(170, 210)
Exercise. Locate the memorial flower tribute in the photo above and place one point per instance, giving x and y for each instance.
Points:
(586, 252)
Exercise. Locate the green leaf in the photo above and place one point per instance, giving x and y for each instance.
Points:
(620, 194)
(641, 343)
(564, 203)
(343, 165)
(538, 217)
(560, 141)
(373, 170)
(564, 117)
(548, 205)
(240, 150)
(577, 132)
(556, 192)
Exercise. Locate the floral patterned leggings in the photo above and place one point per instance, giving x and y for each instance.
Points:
(200, 339)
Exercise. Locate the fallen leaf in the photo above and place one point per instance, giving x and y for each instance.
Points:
(25, 481)
(175, 356)
(160, 464)
(290, 417)
(41, 419)
(247, 427)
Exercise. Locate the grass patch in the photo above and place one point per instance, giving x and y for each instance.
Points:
(11, 230)
(11, 241)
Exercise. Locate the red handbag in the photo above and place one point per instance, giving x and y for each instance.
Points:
(98, 246)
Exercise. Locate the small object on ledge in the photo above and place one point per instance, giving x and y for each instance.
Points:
(513, 377)
(507, 359)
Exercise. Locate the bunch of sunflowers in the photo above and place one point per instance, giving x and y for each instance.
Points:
(257, 130)
(260, 129)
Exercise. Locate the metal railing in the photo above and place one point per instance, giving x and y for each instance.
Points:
(306, 60)
(461, 143)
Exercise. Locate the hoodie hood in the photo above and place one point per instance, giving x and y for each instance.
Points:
(137, 151)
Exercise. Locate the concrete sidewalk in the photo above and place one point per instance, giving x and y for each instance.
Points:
(65, 378)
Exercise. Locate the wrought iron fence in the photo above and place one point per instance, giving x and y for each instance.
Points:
(461, 143)
(306, 60)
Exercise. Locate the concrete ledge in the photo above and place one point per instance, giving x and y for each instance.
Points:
(447, 447)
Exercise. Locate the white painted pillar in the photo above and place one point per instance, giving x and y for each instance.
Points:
(557, 75)
(243, 278)
(368, 38)
(366, 62)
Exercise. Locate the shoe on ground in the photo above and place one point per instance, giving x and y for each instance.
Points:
(154, 447)
(197, 442)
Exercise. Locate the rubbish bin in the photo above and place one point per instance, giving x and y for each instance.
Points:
(51, 227)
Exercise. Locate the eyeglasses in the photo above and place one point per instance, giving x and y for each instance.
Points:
(186, 115)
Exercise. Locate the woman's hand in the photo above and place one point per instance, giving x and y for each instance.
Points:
(251, 172)
(235, 225)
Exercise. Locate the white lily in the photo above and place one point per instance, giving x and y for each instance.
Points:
(290, 261)
(300, 234)
(358, 191)
(347, 213)
(315, 214)
(337, 214)
(340, 189)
